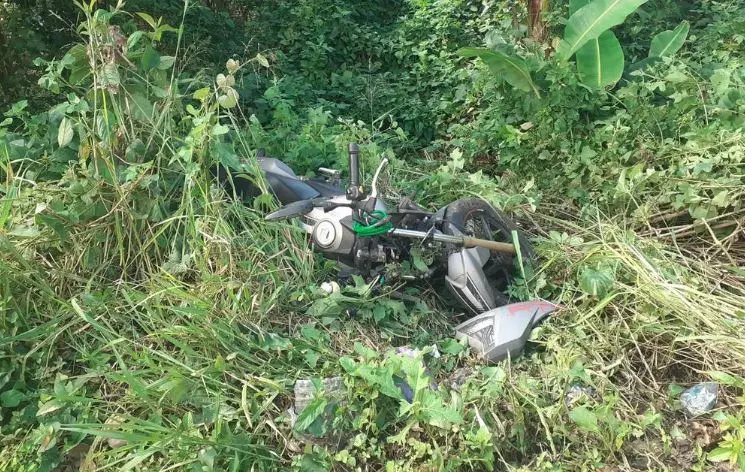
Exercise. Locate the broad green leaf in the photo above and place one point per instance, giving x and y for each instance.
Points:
(379, 313)
(575, 5)
(150, 58)
(591, 21)
(310, 462)
(436, 412)
(364, 351)
(133, 39)
(65, 132)
(225, 155)
(219, 130)
(451, 347)
(207, 457)
(674, 390)
(511, 68)
(379, 377)
(701, 212)
(720, 81)
(416, 258)
(79, 73)
(312, 357)
(50, 83)
(596, 282)
(722, 199)
(158, 34)
(166, 62)
(669, 42)
(49, 407)
(600, 61)
(103, 16)
(676, 76)
(159, 92)
(642, 64)
(719, 454)
(149, 19)
(57, 225)
(17, 108)
(77, 55)
(310, 413)
(584, 418)
(229, 100)
(727, 379)
(11, 398)
(141, 107)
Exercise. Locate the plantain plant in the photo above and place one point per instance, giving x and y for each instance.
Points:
(600, 60)
(589, 39)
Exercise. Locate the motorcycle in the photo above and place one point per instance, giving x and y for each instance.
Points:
(473, 246)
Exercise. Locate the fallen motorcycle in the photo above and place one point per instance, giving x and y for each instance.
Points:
(472, 245)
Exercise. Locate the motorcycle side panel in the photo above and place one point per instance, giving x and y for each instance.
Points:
(467, 281)
(503, 332)
(466, 278)
(289, 190)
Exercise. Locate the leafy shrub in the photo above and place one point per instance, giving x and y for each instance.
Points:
(597, 146)
(148, 321)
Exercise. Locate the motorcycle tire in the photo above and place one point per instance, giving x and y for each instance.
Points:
(475, 217)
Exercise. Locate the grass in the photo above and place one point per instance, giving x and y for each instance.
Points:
(701, 301)
(149, 322)
(183, 365)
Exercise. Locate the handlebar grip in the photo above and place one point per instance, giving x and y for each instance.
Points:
(496, 246)
(354, 165)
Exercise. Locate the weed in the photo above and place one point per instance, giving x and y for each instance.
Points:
(150, 320)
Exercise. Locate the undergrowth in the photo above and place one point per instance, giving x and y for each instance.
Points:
(151, 320)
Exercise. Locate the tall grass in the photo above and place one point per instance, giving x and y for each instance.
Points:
(677, 310)
(151, 322)
(140, 304)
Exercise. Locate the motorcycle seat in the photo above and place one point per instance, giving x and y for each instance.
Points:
(289, 188)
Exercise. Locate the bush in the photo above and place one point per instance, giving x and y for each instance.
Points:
(151, 321)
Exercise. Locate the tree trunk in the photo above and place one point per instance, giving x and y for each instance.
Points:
(536, 23)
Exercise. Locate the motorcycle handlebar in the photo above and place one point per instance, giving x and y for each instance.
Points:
(354, 165)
